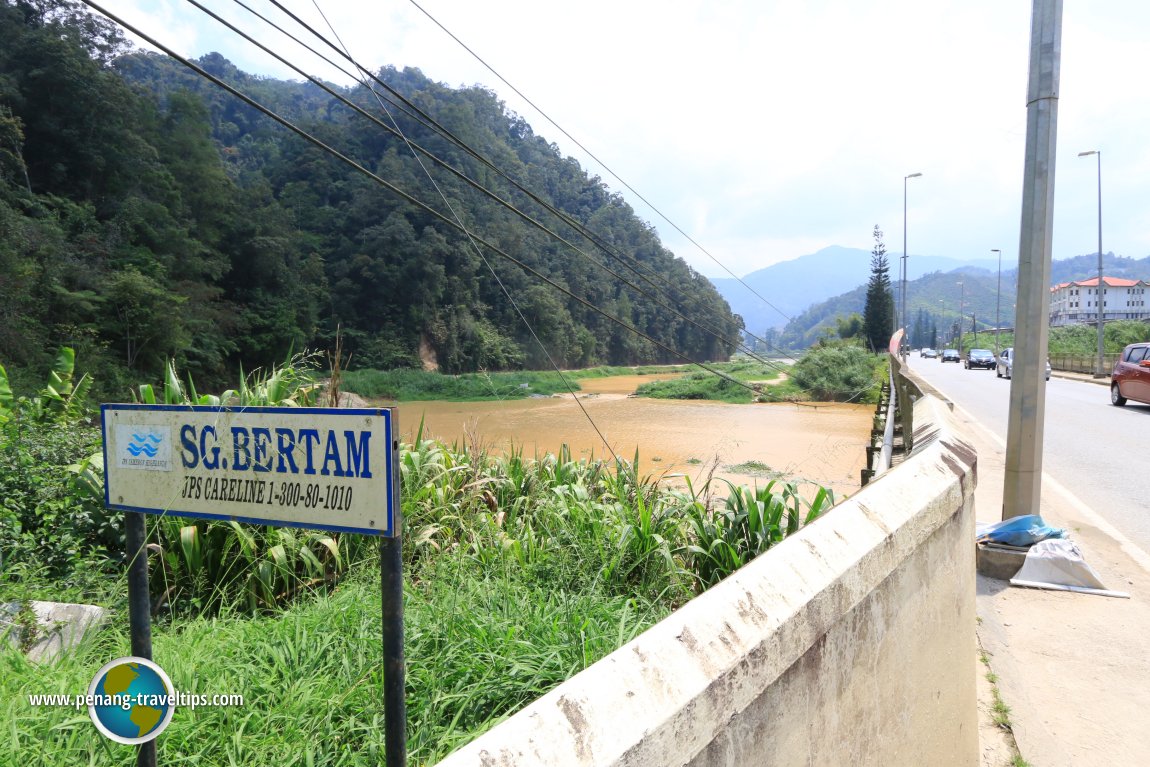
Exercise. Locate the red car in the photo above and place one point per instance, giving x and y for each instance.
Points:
(1130, 379)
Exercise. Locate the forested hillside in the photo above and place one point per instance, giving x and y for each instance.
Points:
(934, 300)
(145, 214)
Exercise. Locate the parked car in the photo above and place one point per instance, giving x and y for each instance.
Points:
(949, 355)
(979, 358)
(928, 353)
(1130, 378)
(1005, 366)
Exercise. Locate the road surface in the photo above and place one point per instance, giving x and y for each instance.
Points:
(1095, 450)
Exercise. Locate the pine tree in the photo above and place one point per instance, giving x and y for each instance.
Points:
(878, 317)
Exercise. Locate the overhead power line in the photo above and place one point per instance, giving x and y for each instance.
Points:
(479, 252)
(428, 121)
(402, 193)
(596, 159)
(417, 148)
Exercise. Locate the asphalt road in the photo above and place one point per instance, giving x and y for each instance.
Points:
(1095, 450)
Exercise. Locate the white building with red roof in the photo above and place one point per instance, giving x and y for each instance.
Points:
(1076, 303)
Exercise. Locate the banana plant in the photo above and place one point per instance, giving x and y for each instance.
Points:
(6, 400)
(60, 399)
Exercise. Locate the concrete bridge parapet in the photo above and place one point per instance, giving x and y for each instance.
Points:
(852, 642)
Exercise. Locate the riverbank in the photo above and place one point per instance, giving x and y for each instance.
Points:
(819, 444)
(739, 380)
(412, 385)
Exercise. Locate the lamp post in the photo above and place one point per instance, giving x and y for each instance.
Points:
(961, 301)
(1101, 294)
(998, 298)
(902, 309)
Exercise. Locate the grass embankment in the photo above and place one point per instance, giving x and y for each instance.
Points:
(518, 573)
(477, 649)
(414, 385)
(836, 372)
(832, 372)
(1071, 340)
(757, 381)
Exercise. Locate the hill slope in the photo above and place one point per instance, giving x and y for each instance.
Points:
(933, 300)
(795, 285)
(149, 215)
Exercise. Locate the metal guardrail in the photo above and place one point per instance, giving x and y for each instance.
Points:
(881, 455)
(1079, 363)
(896, 412)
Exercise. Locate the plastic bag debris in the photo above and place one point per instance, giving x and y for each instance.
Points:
(1058, 564)
(1019, 531)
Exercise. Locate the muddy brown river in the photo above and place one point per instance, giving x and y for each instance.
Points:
(820, 443)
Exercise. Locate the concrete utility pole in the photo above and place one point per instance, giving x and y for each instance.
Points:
(1022, 485)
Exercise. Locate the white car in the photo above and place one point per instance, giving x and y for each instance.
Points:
(1005, 366)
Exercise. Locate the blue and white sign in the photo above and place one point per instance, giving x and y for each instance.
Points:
(330, 469)
(146, 447)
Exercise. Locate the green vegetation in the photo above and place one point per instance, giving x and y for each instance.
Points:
(879, 312)
(1076, 340)
(753, 469)
(841, 373)
(518, 573)
(1000, 712)
(750, 522)
(478, 648)
(406, 385)
(832, 371)
(933, 301)
(697, 385)
(147, 215)
(703, 384)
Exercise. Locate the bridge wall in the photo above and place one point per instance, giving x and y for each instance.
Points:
(852, 642)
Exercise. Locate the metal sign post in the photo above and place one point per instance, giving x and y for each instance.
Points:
(319, 468)
(391, 599)
(139, 608)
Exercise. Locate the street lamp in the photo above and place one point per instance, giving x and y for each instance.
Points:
(997, 301)
(961, 300)
(1099, 371)
(902, 310)
(941, 316)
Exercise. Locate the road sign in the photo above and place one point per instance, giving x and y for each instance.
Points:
(331, 469)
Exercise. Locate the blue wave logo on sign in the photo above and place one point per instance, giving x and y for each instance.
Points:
(145, 444)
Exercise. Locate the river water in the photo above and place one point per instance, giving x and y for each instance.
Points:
(821, 443)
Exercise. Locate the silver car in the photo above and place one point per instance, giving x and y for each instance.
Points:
(1005, 366)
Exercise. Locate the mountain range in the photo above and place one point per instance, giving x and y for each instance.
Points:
(813, 290)
(789, 287)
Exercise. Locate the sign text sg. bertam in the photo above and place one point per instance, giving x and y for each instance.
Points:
(310, 467)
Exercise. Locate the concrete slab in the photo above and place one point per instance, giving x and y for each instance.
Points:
(59, 627)
(1000, 563)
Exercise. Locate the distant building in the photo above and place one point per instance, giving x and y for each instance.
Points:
(1076, 303)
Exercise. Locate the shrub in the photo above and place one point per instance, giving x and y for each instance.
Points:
(838, 373)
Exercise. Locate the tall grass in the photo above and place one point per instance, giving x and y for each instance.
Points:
(407, 385)
(760, 382)
(749, 522)
(518, 573)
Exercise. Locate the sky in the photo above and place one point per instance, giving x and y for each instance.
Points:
(769, 129)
